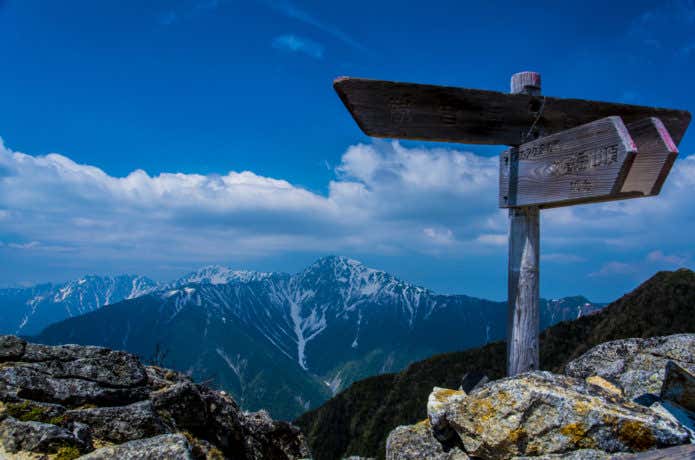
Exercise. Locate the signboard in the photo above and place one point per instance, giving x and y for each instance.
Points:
(579, 165)
(474, 116)
(564, 152)
(657, 153)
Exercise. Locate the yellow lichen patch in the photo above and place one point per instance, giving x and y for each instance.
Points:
(577, 432)
(99, 443)
(67, 453)
(609, 419)
(425, 423)
(503, 397)
(443, 394)
(516, 434)
(605, 384)
(582, 407)
(636, 435)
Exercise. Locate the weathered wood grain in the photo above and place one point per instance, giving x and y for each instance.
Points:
(580, 165)
(523, 270)
(656, 154)
(473, 116)
(523, 290)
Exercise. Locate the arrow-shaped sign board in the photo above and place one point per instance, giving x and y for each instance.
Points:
(582, 164)
(599, 161)
(474, 116)
(657, 153)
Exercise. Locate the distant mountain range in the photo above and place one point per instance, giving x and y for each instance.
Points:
(289, 342)
(362, 416)
(29, 310)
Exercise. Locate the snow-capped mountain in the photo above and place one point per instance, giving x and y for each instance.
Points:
(287, 342)
(29, 310)
(218, 274)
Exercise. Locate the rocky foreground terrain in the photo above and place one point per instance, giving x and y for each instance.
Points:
(66, 402)
(625, 396)
(620, 397)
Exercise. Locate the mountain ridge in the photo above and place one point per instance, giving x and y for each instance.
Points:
(317, 331)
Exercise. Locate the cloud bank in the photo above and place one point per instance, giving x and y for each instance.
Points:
(385, 198)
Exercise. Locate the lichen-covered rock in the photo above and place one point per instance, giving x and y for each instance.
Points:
(167, 446)
(271, 439)
(32, 411)
(224, 421)
(159, 377)
(57, 399)
(636, 365)
(417, 442)
(32, 381)
(437, 403)
(679, 386)
(542, 413)
(183, 404)
(17, 436)
(605, 384)
(122, 423)
(11, 347)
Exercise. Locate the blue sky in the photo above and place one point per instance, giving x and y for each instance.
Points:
(155, 137)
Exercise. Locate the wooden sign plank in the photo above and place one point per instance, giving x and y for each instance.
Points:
(656, 154)
(579, 165)
(473, 116)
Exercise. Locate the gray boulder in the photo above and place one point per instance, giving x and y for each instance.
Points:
(184, 405)
(17, 436)
(122, 423)
(540, 413)
(34, 381)
(163, 447)
(416, 442)
(59, 397)
(271, 439)
(636, 365)
(679, 386)
(11, 347)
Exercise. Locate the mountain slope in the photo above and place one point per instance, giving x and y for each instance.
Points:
(29, 310)
(334, 323)
(358, 420)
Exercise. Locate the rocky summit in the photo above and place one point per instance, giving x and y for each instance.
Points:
(69, 401)
(600, 411)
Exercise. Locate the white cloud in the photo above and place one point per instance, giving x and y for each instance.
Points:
(385, 199)
(615, 268)
(661, 258)
(290, 10)
(296, 44)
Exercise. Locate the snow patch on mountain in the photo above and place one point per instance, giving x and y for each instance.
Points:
(218, 274)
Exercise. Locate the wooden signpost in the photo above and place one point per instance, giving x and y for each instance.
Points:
(563, 152)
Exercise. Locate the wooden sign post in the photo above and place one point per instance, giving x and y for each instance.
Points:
(563, 152)
(523, 271)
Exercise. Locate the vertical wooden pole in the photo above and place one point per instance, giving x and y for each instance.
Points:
(524, 248)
